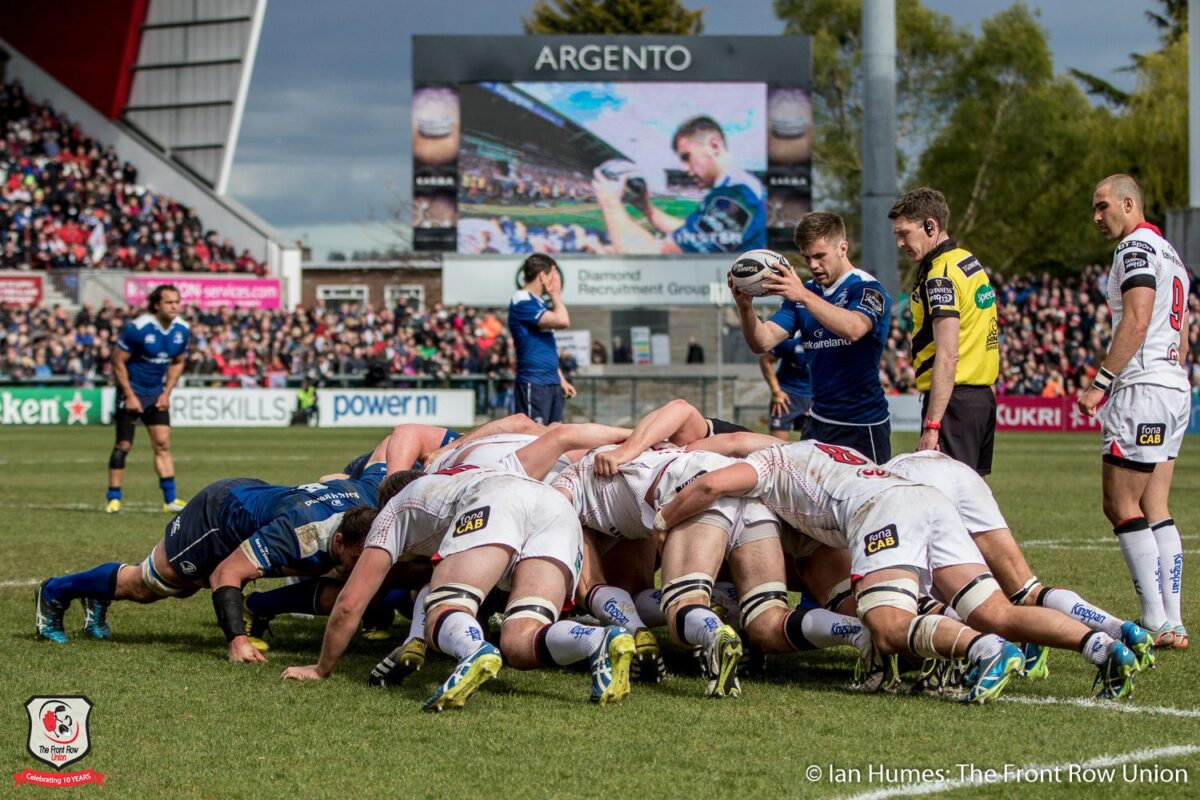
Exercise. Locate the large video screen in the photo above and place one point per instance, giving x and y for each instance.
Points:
(637, 167)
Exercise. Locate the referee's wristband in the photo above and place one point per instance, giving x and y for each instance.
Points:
(1103, 380)
(930, 425)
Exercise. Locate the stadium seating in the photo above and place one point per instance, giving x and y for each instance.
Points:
(66, 200)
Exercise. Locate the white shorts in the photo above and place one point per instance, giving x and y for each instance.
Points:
(529, 518)
(743, 520)
(909, 526)
(1144, 424)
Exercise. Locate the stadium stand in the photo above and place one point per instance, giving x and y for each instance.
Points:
(67, 200)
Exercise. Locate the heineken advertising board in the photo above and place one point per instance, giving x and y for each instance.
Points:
(70, 406)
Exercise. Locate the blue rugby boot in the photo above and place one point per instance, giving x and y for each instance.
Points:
(471, 673)
(1035, 667)
(1138, 639)
(1115, 676)
(988, 679)
(48, 616)
(609, 665)
(95, 619)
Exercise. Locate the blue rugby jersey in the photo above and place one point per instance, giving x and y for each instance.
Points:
(792, 370)
(537, 352)
(292, 526)
(731, 218)
(151, 350)
(845, 375)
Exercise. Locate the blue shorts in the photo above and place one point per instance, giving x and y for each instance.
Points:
(195, 541)
(873, 441)
(542, 402)
(796, 419)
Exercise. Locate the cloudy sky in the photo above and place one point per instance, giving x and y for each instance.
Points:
(324, 146)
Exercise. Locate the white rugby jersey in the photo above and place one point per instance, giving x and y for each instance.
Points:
(497, 452)
(414, 521)
(1145, 258)
(817, 488)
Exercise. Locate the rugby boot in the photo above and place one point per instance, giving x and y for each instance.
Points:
(875, 672)
(48, 615)
(609, 665)
(397, 665)
(258, 629)
(1036, 667)
(1162, 636)
(1179, 639)
(95, 619)
(1136, 638)
(941, 677)
(721, 653)
(472, 672)
(175, 506)
(113, 506)
(648, 665)
(1115, 676)
(988, 679)
(377, 625)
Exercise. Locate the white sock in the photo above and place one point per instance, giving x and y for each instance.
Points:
(984, 647)
(568, 642)
(1095, 647)
(416, 628)
(614, 606)
(699, 623)
(820, 628)
(647, 604)
(1075, 607)
(1170, 559)
(459, 634)
(1141, 556)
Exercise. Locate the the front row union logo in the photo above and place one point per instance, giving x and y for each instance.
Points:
(58, 736)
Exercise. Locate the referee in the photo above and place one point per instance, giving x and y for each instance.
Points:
(955, 341)
(540, 387)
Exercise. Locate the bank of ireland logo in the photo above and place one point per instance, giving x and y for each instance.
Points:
(58, 729)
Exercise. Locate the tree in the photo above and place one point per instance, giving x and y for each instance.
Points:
(549, 17)
(928, 46)
(1171, 22)
(1015, 160)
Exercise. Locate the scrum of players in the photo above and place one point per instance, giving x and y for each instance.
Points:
(482, 542)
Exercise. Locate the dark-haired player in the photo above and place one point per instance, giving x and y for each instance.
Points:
(234, 530)
(146, 364)
(540, 386)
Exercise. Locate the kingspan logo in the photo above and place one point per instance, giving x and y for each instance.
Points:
(1085, 614)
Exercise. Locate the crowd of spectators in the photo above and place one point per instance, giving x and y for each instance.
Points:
(1053, 333)
(66, 200)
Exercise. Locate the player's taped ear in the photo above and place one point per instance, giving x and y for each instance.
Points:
(898, 593)
(538, 608)
(973, 595)
(928, 224)
(459, 595)
(694, 583)
(761, 598)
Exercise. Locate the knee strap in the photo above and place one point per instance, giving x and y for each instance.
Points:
(459, 595)
(920, 635)
(159, 585)
(685, 586)
(973, 595)
(761, 598)
(1018, 597)
(539, 608)
(898, 593)
(838, 594)
(116, 459)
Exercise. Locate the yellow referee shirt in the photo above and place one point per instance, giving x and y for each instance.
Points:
(951, 282)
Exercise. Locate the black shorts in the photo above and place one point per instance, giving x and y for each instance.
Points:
(873, 441)
(194, 541)
(127, 420)
(968, 431)
(718, 426)
(541, 402)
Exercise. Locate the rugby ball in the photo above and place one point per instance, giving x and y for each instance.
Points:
(635, 182)
(752, 267)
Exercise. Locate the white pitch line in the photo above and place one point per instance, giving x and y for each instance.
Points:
(19, 584)
(936, 787)
(216, 459)
(1103, 705)
(1106, 548)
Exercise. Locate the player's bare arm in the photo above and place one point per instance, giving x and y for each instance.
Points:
(567, 387)
(678, 422)
(227, 581)
(120, 359)
(780, 402)
(847, 324)
(945, 365)
(760, 336)
(366, 578)
(626, 233)
(698, 496)
(1127, 340)
(734, 445)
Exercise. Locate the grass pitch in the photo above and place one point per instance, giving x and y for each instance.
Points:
(172, 719)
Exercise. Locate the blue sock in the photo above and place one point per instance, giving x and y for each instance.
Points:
(114, 493)
(295, 598)
(168, 488)
(99, 583)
